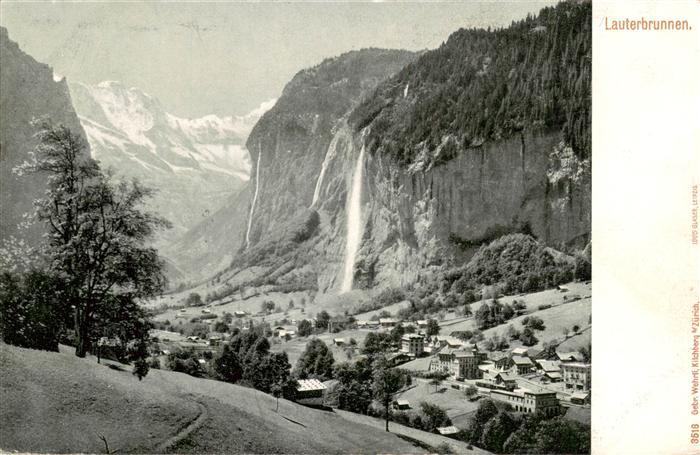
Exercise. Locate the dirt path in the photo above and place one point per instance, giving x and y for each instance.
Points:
(186, 430)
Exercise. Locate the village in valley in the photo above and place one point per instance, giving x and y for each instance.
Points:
(452, 364)
(385, 250)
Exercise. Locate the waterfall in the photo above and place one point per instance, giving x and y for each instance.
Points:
(255, 198)
(330, 154)
(354, 223)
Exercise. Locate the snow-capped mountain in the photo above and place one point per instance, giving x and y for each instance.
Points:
(195, 164)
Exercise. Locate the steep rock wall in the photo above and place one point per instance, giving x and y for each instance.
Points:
(413, 219)
(294, 137)
(28, 90)
(425, 218)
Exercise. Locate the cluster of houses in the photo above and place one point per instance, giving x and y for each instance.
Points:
(566, 368)
(499, 371)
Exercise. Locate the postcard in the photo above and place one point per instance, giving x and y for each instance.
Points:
(349, 227)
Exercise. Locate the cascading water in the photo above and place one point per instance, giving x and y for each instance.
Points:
(354, 223)
(255, 198)
(330, 154)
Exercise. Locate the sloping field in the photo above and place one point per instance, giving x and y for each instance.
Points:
(55, 402)
(58, 403)
(296, 346)
(454, 402)
(564, 312)
(555, 320)
(433, 439)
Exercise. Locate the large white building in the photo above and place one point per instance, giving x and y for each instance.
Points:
(459, 363)
(576, 375)
(412, 344)
(529, 401)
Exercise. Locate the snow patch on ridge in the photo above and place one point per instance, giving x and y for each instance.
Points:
(121, 118)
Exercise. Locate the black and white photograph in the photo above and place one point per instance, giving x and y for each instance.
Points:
(296, 228)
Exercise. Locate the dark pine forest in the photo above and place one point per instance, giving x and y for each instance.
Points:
(483, 85)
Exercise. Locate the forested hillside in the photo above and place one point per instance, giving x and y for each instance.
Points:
(483, 85)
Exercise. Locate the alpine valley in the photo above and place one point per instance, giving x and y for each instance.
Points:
(373, 169)
(394, 220)
(377, 168)
(198, 166)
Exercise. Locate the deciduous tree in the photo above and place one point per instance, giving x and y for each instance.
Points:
(316, 361)
(97, 230)
(305, 328)
(227, 365)
(387, 381)
(433, 328)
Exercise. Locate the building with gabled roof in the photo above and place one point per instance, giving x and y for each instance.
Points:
(448, 430)
(548, 365)
(310, 391)
(523, 365)
(401, 404)
(572, 356)
(505, 379)
(553, 376)
(441, 341)
(521, 351)
(580, 397)
(500, 359)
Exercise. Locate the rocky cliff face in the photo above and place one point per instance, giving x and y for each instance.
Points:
(303, 153)
(28, 89)
(422, 203)
(418, 219)
(412, 221)
(293, 139)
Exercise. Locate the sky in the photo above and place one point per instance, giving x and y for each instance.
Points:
(228, 58)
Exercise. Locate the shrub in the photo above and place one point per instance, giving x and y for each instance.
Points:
(227, 366)
(582, 268)
(528, 338)
(444, 448)
(194, 299)
(435, 416)
(32, 309)
(221, 326)
(305, 328)
(189, 366)
(533, 323)
(316, 361)
(141, 367)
